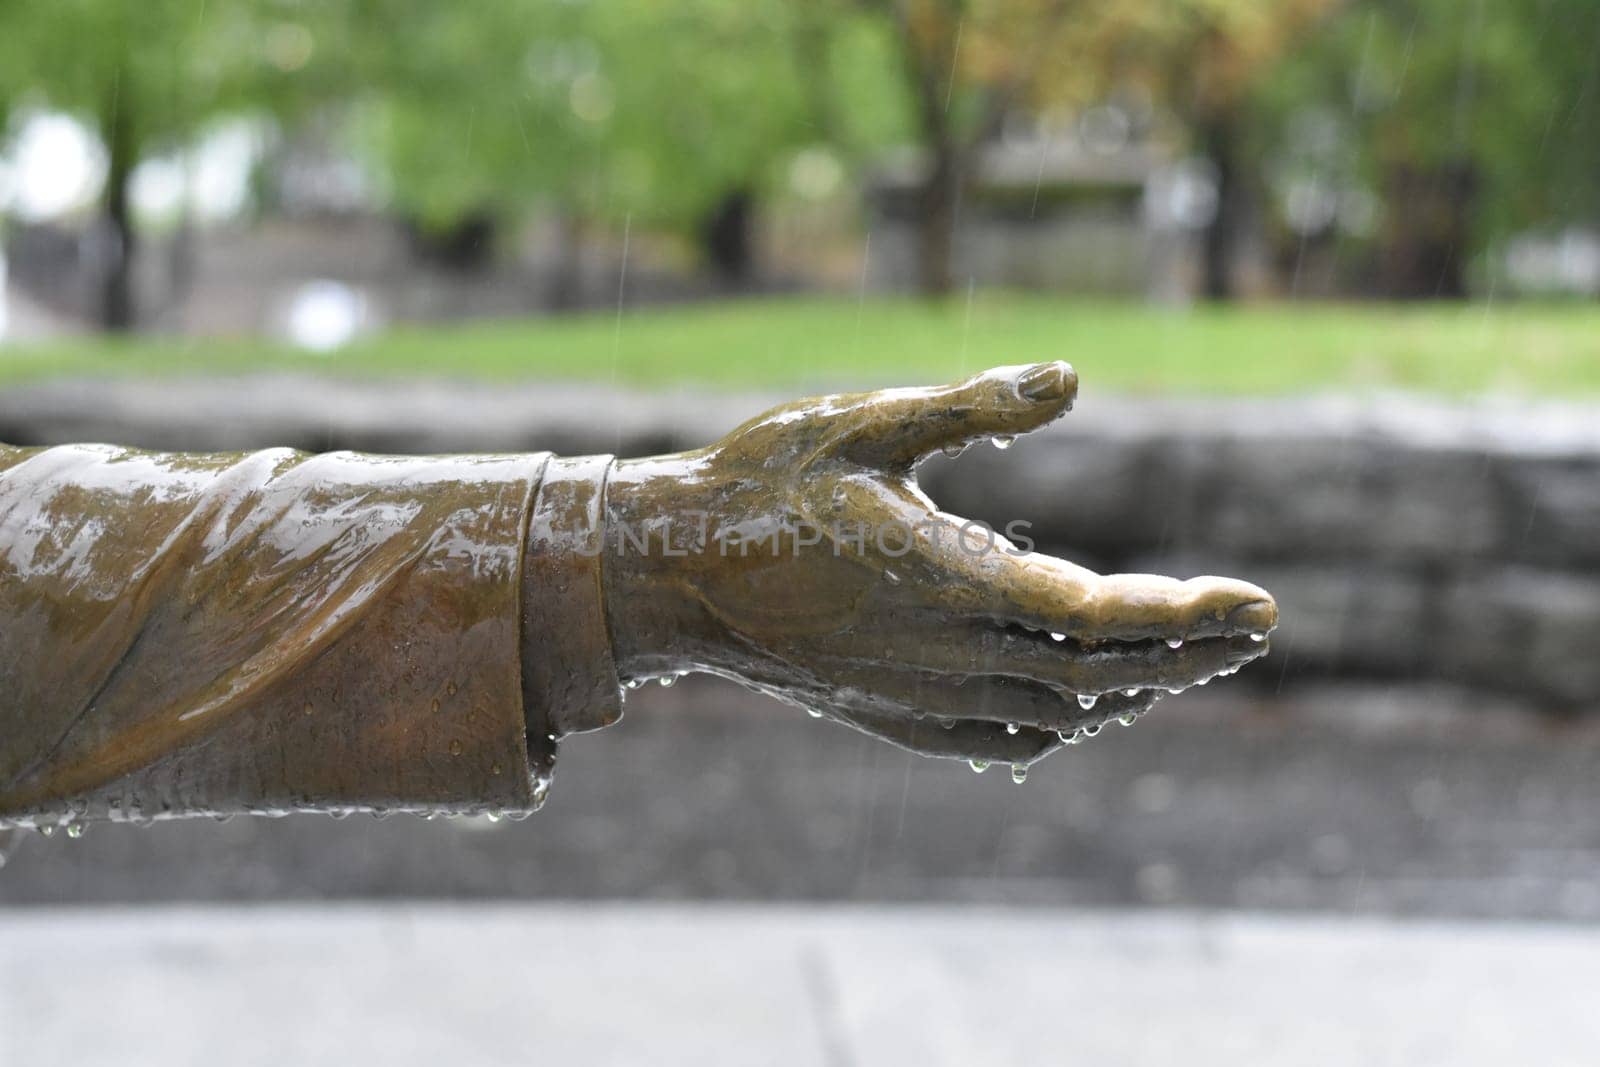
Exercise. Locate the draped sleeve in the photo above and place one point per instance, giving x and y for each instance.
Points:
(264, 632)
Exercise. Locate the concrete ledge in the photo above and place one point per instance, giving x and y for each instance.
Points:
(425, 986)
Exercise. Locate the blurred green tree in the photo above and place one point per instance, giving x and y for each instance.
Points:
(669, 115)
(1469, 120)
(1203, 61)
(145, 75)
(967, 64)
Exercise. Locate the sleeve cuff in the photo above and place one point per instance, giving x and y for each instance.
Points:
(569, 674)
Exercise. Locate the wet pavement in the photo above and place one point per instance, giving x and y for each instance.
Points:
(1394, 801)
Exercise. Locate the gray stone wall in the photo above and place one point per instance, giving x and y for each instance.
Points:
(1406, 540)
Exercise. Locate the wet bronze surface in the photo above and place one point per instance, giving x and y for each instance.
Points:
(275, 631)
(261, 632)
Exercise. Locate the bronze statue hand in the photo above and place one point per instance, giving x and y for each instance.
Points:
(798, 555)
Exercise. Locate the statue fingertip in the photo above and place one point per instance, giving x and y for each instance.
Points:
(1048, 382)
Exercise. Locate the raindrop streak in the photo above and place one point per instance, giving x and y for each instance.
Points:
(1002, 441)
(1087, 700)
(1019, 773)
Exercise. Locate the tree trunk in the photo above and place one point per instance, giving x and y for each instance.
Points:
(936, 222)
(1428, 237)
(938, 198)
(1220, 241)
(118, 244)
(565, 292)
(727, 236)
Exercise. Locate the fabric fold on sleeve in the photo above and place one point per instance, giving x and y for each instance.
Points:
(187, 634)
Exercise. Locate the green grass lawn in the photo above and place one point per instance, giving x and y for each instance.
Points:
(816, 342)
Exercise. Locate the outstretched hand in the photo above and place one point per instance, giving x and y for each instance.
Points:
(798, 555)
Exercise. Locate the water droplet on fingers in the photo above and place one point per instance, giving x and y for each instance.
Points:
(978, 765)
(1058, 637)
(75, 830)
(1130, 692)
(1174, 642)
(1012, 728)
(1128, 718)
(1002, 441)
(1019, 772)
(1087, 700)
(1258, 637)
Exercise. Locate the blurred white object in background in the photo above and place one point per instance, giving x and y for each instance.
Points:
(1566, 263)
(323, 315)
(53, 166)
(208, 182)
(1183, 195)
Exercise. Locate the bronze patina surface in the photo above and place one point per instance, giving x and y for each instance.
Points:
(189, 634)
